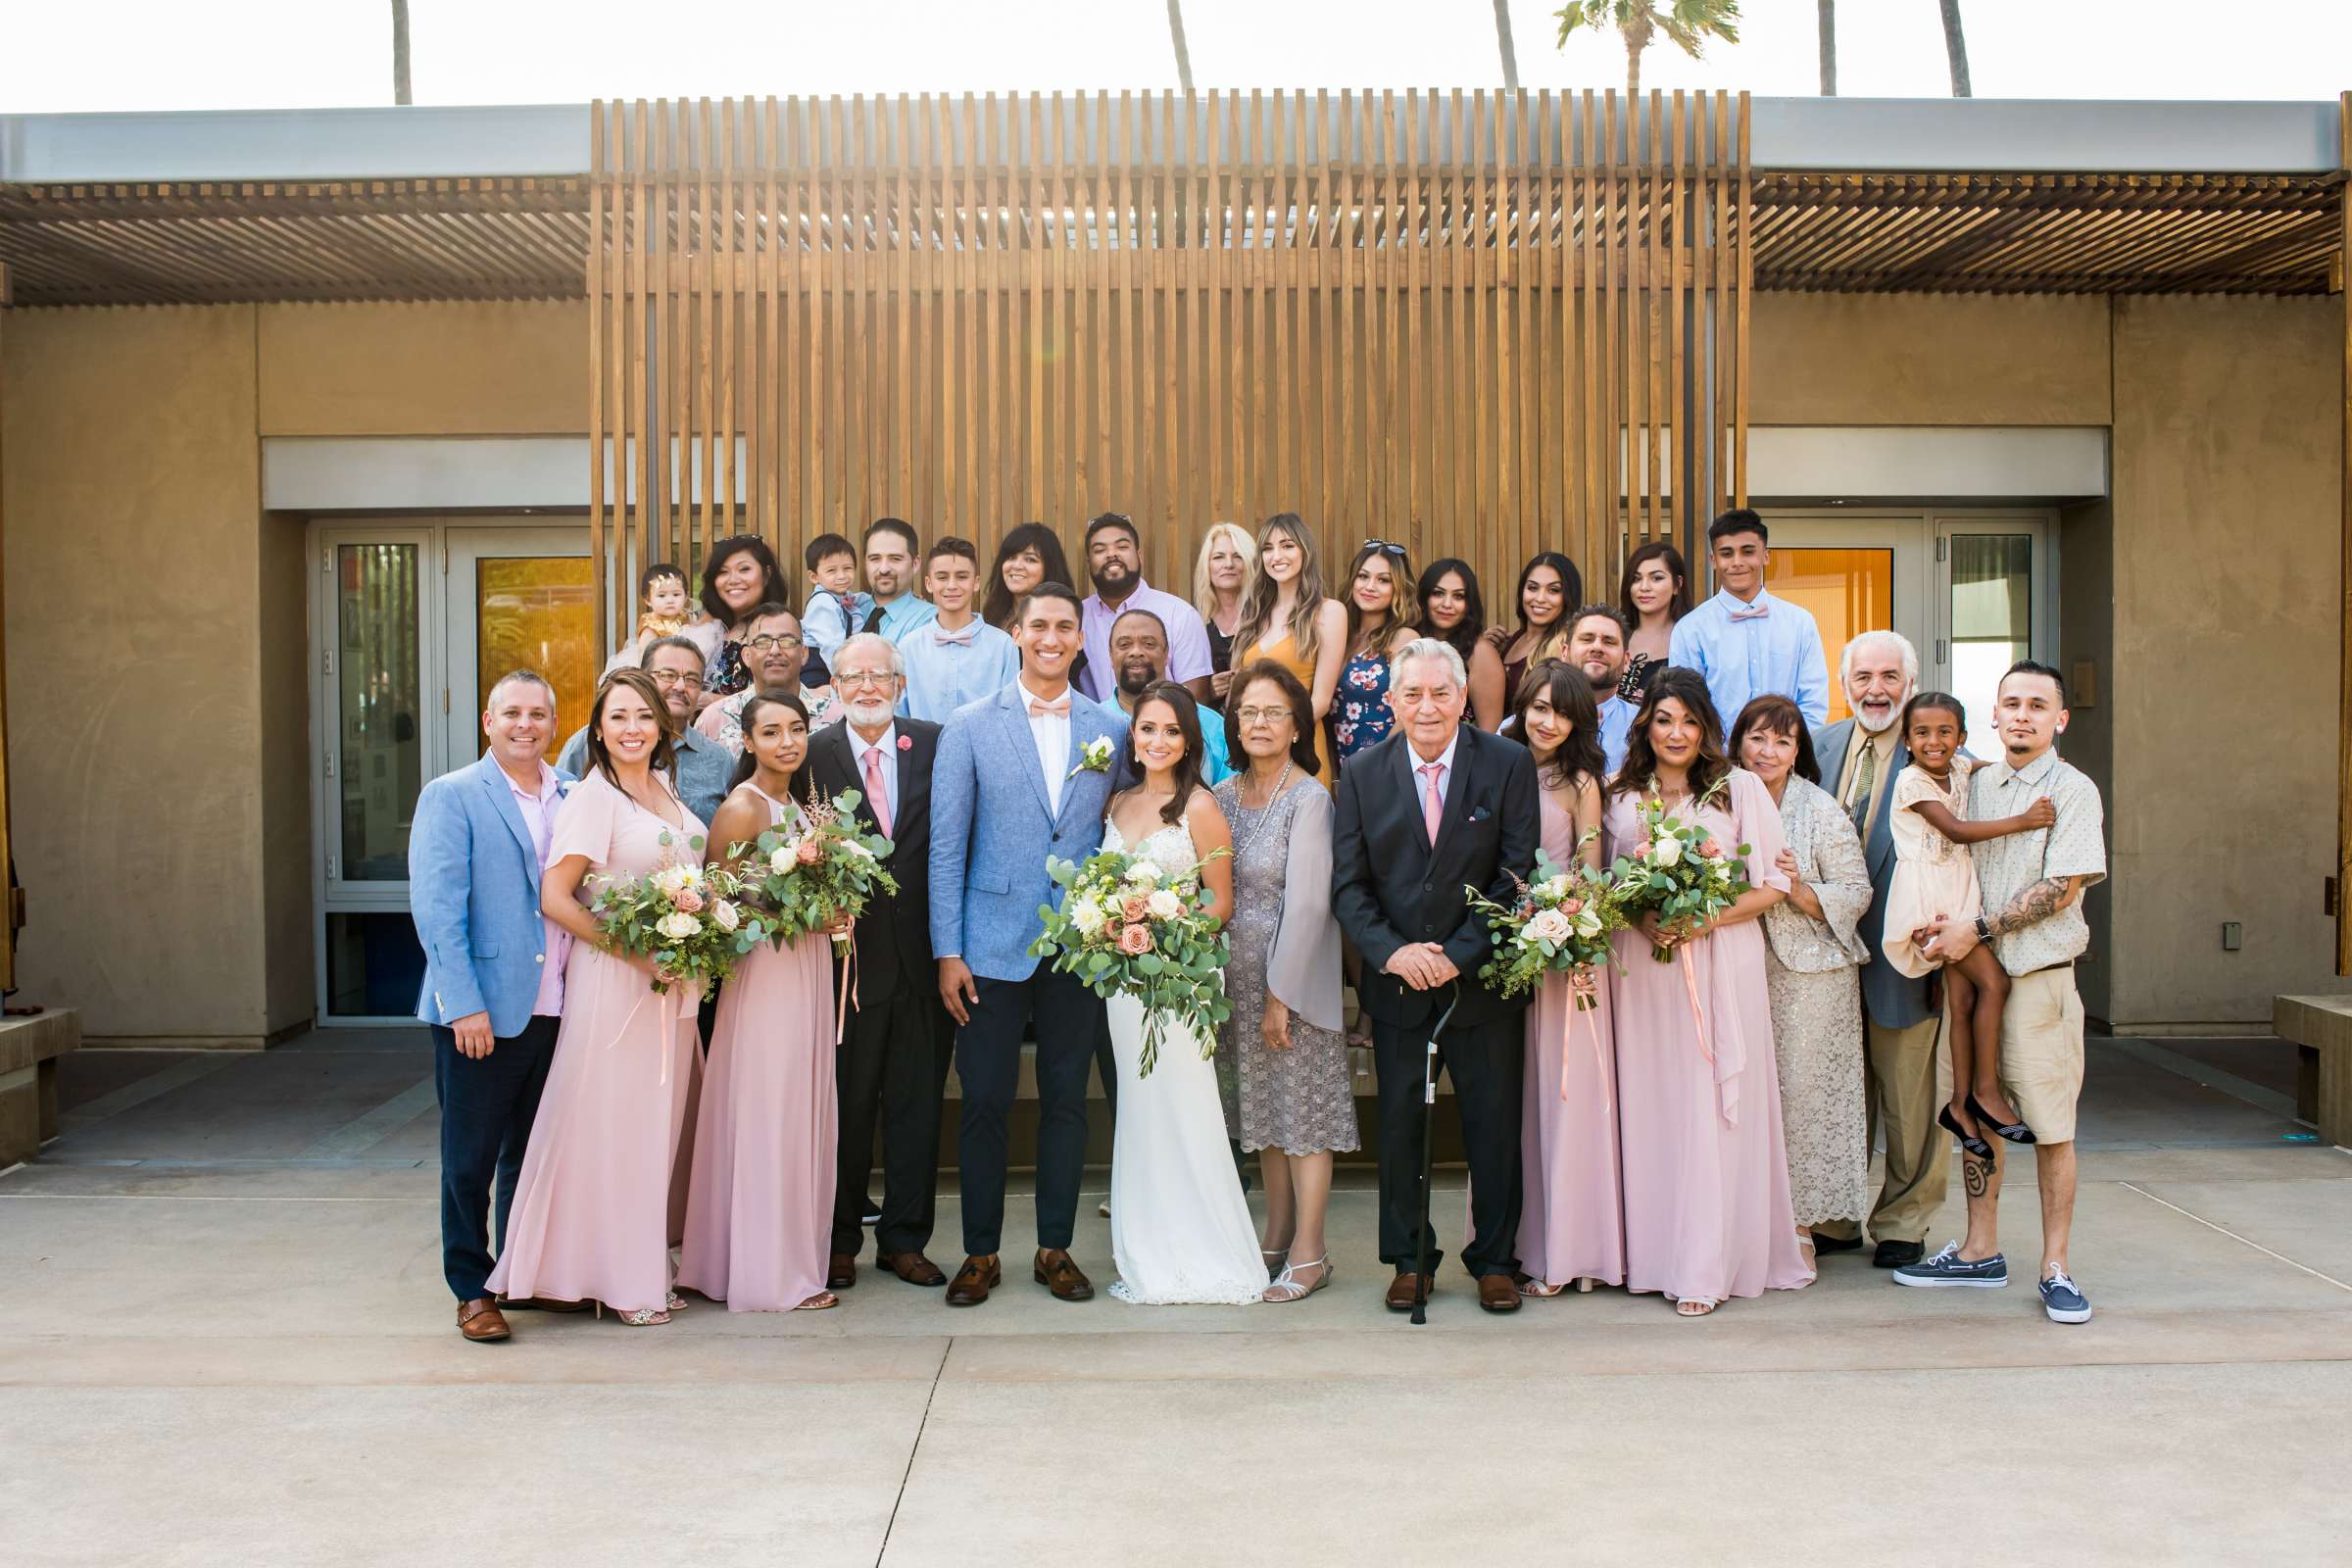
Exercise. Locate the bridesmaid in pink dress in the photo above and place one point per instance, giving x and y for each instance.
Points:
(1572, 1215)
(1707, 1213)
(759, 1204)
(596, 1205)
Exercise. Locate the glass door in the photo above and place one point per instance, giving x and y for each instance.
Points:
(519, 598)
(1854, 573)
(1994, 607)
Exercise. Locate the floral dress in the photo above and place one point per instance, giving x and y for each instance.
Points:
(1359, 713)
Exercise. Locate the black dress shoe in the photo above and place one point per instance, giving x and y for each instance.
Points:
(1823, 1246)
(1892, 1254)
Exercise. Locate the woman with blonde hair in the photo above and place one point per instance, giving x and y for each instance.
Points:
(1288, 618)
(1220, 578)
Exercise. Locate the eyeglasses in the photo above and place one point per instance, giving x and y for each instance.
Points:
(667, 678)
(1260, 715)
(1386, 547)
(862, 677)
(769, 642)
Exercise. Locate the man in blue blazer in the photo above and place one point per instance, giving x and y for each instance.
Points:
(1860, 757)
(1021, 776)
(493, 972)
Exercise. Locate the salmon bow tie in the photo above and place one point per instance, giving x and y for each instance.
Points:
(1060, 707)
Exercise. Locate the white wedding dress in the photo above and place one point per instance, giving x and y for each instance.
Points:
(1180, 1228)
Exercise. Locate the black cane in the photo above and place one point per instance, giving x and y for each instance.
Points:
(1428, 1122)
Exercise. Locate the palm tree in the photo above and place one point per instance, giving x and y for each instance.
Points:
(1955, 48)
(1688, 24)
(399, 51)
(1827, 10)
(1502, 40)
(1184, 56)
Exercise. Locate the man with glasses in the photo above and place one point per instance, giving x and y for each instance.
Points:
(704, 767)
(896, 1039)
(773, 649)
(1114, 561)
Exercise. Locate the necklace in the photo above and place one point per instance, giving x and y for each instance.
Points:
(1265, 811)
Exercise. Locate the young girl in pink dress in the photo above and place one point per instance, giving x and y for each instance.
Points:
(1707, 1210)
(596, 1205)
(760, 1202)
(1935, 878)
(1572, 1211)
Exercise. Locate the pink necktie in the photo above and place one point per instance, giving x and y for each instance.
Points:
(1432, 799)
(877, 797)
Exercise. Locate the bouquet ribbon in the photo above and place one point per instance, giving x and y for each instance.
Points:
(1601, 1063)
(848, 988)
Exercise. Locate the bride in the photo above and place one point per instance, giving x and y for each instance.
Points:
(1180, 1228)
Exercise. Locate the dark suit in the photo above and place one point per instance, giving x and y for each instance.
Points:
(1392, 886)
(896, 1044)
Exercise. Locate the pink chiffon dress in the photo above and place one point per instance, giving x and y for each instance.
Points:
(598, 1202)
(1572, 1212)
(1707, 1211)
(760, 1202)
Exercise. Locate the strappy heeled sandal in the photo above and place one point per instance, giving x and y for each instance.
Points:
(1286, 1287)
(677, 1302)
(1541, 1290)
(1276, 1259)
(645, 1317)
(818, 1302)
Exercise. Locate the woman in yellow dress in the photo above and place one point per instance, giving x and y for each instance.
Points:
(1287, 618)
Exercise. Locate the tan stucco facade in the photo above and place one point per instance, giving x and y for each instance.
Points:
(159, 651)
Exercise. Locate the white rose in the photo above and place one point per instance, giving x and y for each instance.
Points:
(1550, 925)
(679, 925)
(724, 913)
(1554, 888)
(1144, 873)
(779, 859)
(1666, 849)
(1165, 905)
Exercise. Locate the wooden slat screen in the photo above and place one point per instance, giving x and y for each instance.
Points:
(1482, 324)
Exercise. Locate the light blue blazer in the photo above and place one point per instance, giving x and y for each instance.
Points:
(473, 892)
(992, 830)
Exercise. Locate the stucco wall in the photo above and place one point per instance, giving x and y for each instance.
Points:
(1929, 358)
(2228, 457)
(508, 369)
(133, 671)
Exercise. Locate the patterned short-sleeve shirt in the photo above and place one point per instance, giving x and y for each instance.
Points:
(2008, 865)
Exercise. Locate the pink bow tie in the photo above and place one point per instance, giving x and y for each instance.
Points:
(1755, 611)
(963, 637)
(1058, 709)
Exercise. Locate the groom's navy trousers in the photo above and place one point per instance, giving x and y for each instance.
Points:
(987, 1061)
(487, 1107)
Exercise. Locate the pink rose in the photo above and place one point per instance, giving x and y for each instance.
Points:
(905, 743)
(809, 854)
(1710, 848)
(1571, 905)
(1135, 907)
(1135, 940)
(687, 900)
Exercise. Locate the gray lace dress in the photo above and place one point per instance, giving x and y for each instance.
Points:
(1283, 940)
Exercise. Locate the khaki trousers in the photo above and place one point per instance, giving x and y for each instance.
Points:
(1908, 1084)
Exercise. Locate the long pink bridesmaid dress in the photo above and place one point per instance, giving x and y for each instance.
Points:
(1572, 1215)
(593, 1211)
(1707, 1213)
(760, 1202)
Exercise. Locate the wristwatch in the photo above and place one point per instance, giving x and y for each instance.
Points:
(1984, 930)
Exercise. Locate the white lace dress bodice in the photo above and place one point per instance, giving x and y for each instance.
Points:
(1180, 1228)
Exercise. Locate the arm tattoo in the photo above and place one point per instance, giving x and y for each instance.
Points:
(2038, 902)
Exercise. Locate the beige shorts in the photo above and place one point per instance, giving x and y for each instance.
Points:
(2041, 1052)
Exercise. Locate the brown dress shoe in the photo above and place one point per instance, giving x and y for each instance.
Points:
(973, 1281)
(841, 1272)
(1401, 1293)
(912, 1267)
(1497, 1293)
(1057, 1273)
(480, 1320)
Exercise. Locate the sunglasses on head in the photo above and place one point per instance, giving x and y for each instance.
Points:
(1386, 547)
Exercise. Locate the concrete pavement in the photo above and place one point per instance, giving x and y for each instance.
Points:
(223, 1339)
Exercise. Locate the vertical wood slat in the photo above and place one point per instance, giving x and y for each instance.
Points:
(1488, 324)
(2343, 277)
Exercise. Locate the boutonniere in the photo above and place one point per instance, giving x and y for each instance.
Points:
(905, 743)
(1092, 758)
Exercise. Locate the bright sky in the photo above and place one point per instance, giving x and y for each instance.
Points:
(224, 54)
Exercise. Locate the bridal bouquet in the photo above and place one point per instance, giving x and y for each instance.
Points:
(1683, 872)
(694, 921)
(1560, 924)
(1128, 926)
(812, 873)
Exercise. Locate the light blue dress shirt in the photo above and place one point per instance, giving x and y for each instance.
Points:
(903, 614)
(826, 625)
(1616, 723)
(947, 669)
(1746, 651)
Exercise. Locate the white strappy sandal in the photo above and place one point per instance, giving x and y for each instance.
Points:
(1285, 1286)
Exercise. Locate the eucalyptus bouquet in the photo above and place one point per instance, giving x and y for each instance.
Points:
(811, 872)
(694, 921)
(1681, 870)
(1128, 926)
(1560, 924)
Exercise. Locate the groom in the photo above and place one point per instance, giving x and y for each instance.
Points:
(1435, 806)
(1013, 786)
